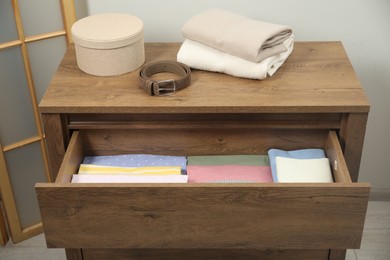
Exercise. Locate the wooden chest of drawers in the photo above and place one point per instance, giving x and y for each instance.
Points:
(314, 100)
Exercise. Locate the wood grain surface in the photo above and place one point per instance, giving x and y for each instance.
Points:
(256, 216)
(317, 77)
(315, 92)
(240, 216)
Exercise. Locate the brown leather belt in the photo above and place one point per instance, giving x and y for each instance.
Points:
(164, 87)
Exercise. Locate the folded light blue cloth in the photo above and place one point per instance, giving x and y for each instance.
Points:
(137, 160)
(296, 154)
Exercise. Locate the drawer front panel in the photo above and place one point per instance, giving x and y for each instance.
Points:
(204, 254)
(204, 216)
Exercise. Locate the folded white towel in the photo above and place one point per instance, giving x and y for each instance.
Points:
(237, 35)
(86, 178)
(203, 57)
(303, 170)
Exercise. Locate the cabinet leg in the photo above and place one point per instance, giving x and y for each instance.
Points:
(338, 254)
(73, 254)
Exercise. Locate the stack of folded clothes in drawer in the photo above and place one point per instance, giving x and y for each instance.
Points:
(229, 169)
(305, 165)
(222, 41)
(132, 168)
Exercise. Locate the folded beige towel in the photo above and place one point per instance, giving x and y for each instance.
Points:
(237, 35)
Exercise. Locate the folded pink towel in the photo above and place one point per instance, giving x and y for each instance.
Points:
(229, 174)
(237, 35)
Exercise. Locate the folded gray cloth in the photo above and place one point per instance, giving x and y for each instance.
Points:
(237, 35)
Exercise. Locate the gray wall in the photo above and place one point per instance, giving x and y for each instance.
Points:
(362, 25)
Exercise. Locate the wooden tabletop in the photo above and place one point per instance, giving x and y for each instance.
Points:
(317, 77)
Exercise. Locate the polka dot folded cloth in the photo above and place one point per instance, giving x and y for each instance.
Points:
(132, 168)
(146, 170)
(138, 160)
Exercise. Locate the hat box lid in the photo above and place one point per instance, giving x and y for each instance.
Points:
(107, 31)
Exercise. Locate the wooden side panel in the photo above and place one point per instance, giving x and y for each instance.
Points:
(257, 216)
(72, 159)
(352, 132)
(204, 254)
(56, 139)
(336, 159)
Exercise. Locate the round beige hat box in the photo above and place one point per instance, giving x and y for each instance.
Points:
(109, 44)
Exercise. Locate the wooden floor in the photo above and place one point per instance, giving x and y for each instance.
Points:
(375, 245)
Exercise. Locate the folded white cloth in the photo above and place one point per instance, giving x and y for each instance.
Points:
(93, 178)
(303, 170)
(237, 35)
(203, 57)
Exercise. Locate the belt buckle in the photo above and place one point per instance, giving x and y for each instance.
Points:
(167, 88)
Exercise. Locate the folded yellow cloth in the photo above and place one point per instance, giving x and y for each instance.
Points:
(110, 170)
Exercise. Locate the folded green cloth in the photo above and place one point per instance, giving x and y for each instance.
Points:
(254, 160)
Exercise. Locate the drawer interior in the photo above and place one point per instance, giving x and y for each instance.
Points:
(196, 215)
(199, 142)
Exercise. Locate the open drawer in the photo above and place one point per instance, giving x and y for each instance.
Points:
(214, 216)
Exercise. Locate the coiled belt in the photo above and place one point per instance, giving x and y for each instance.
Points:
(164, 87)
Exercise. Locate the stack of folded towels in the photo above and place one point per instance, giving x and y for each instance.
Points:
(221, 41)
(304, 165)
(229, 169)
(132, 168)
